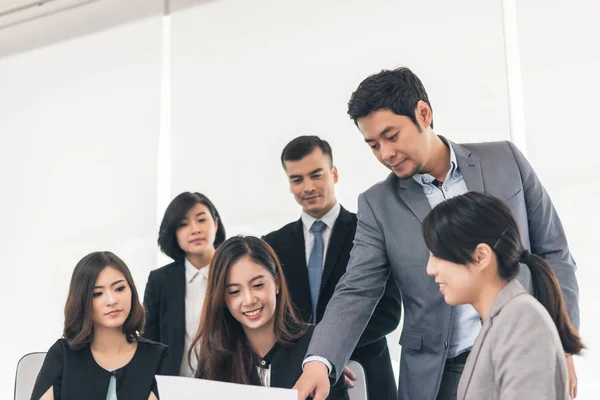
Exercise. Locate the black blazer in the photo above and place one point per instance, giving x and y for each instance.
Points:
(164, 300)
(74, 375)
(371, 351)
(286, 367)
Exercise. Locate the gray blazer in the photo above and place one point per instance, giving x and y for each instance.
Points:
(517, 355)
(388, 240)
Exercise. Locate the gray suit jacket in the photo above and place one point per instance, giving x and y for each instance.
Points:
(517, 355)
(388, 239)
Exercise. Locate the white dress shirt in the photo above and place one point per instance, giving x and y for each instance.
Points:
(265, 375)
(195, 288)
(309, 237)
(309, 241)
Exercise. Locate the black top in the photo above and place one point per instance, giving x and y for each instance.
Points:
(164, 301)
(75, 375)
(286, 367)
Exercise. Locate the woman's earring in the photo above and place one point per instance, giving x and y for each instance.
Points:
(277, 292)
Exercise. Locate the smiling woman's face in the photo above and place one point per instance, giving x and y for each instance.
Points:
(459, 284)
(251, 295)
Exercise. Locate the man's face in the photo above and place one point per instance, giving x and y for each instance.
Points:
(396, 141)
(312, 182)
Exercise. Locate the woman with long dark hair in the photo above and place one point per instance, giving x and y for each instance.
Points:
(189, 233)
(249, 331)
(475, 256)
(101, 355)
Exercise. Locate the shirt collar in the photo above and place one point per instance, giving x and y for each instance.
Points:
(454, 173)
(328, 219)
(192, 272)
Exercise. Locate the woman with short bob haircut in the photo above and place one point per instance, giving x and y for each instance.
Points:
(101, 354)
(475, 255)
(189, 233)
(249, 331)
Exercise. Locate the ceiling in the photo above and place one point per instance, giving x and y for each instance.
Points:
(26, 25)
(58, 20)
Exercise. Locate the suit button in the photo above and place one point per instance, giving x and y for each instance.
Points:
(262, 362)
(445, 344)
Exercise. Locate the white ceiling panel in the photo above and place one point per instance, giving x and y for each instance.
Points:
(23, 28)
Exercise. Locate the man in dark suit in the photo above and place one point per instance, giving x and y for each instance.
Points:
(315, 249)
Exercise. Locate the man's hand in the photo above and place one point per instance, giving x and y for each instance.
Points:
(313, 382)
(572, 376)
(349, 376)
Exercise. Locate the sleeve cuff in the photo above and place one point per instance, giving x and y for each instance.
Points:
(323, 360)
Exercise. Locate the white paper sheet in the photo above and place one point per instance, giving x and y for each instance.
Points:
(179, 388)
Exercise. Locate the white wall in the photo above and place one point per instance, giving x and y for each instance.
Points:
(247, 77)
(560, 60)
(78, 145)
(80, 100)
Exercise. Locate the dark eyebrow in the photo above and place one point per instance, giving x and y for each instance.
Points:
(113, 284)
(383, 132)
(310, 173)
(250, 281)
(256, 278)
(197, 215)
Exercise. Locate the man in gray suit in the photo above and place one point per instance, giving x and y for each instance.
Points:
(394, 115)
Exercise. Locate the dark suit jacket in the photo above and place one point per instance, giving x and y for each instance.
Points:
(286, 367)
(372, 350)
(75, 375)
(164, 300)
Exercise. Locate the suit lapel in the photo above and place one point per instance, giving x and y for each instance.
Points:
(174, 295)
(339, 236)
(469, 167)
(412, 194)
(467, 373)
(509, 292)
(177, 303)
(297, 270)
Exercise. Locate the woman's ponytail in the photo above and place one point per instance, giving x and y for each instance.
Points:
(548, 292)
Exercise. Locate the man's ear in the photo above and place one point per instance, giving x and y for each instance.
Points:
(424, 113)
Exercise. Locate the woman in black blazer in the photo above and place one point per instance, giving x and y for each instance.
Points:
(190, 231)
(249, 332)
(101, 355)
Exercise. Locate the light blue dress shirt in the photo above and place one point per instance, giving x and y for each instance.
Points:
(466, 323)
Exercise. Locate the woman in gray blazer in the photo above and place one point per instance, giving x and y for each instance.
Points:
(475, 255)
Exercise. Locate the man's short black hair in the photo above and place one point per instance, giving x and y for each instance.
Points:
(302, 146)
(397, 90)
